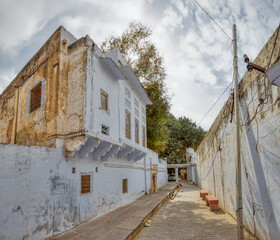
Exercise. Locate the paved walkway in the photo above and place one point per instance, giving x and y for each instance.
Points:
(187, 217)
(122, 223)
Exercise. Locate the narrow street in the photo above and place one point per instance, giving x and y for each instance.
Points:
(187, 217)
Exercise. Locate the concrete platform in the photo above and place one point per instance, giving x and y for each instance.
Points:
(123, 223)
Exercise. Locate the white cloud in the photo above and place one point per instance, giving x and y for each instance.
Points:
(181, 7)
(198, 55)
(6, 77)
(171, 19)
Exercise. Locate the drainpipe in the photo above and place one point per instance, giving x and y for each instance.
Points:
(176, 174)
(151, 174)
(119, 110)
(145, 174)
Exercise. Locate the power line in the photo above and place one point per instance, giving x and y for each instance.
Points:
(215, 103)
(213, 19)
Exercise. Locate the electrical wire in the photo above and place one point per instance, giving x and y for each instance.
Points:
(264, 100)
(215, 103)
(213, 20)
(212, 140)
(275, 155)
(213, 159)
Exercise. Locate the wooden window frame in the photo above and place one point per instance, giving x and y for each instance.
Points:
(143, 136)
(86, 183)
(136, 130)
(127, 124)
(103, 106)
(35, 97)
(124, 186)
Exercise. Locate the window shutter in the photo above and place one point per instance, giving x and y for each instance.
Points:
(124, 185)
(35, 97)
(85, 183)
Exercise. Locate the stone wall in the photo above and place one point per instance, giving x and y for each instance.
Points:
(260, 151)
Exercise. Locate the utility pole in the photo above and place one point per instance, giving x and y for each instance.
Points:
(239, 213)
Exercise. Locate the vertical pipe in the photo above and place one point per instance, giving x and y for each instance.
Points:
(145, 174)
(176, 174)
(16, 116)
(239, 209)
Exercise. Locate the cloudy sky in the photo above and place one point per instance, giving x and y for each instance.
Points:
(198, 55)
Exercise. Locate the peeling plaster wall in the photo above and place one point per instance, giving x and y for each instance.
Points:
(40, 196)
(60, 66)
(260, 152)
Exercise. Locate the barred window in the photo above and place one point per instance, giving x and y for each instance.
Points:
(105, 130)
(35, 97)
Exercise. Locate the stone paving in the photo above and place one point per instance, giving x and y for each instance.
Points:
(187, 217)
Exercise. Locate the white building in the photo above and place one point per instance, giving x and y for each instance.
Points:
(73, 139)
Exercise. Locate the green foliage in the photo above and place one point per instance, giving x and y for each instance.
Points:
(184, 133)
(145, 60)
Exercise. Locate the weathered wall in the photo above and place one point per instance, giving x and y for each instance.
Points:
(260, 151)
(40, 196)
(60, 66)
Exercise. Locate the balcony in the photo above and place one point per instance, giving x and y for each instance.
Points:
(102, 147)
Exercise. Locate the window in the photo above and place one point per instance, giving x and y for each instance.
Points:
(136, 113)
(35, 97)
(136, 102)
(127, 104)
(136, 131)
(127, 93)
(143, 136)
(105, 130)
(104, 100)
(127, 124)
(124, 185)
(85, 183)
(143, 119)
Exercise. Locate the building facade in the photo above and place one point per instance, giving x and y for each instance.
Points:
(72, 139)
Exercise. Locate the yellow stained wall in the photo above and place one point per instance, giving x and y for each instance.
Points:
(62, 117)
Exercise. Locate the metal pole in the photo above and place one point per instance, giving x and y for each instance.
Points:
(176, 174)
(239, 210)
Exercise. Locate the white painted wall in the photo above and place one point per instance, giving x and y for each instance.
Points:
(40, 196)
(102, 77)
(260, 164)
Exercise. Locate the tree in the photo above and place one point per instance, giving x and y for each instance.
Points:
(145, 60)
(184, 133)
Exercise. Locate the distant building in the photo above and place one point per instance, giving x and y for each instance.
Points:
(86, 112)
